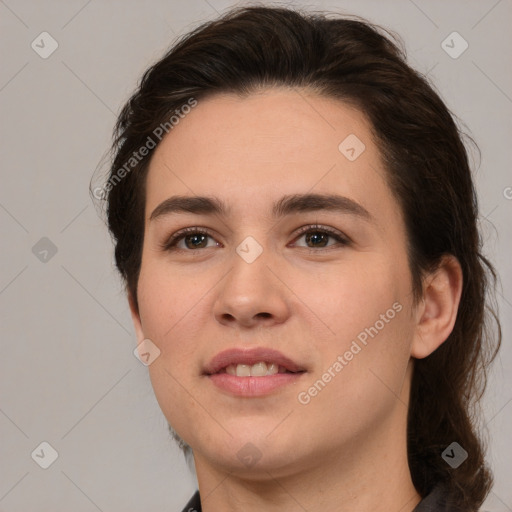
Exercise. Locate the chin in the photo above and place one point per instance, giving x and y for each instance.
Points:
(251, 452)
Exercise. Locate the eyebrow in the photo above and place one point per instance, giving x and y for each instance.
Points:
(287, 205)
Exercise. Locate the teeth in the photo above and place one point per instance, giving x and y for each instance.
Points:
(243, 370)
(256, 370)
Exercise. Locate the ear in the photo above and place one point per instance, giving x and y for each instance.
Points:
(137, 323)
(437, 311)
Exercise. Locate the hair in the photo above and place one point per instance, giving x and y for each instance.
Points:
(250, 49)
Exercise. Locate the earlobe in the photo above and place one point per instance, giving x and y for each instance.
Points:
(437, 311)
(137, 323)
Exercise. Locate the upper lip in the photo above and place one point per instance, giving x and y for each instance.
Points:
(250, 357)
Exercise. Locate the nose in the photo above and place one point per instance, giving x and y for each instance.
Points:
(252, 294)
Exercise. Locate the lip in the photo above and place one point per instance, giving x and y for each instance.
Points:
(252, 386)
(250, 356)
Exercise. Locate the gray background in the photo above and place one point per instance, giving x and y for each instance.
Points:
(68, 375)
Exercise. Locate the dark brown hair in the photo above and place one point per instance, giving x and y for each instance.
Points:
(349, 59)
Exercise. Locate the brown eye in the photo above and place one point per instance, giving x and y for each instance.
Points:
(196, 241)
(193, 238)
(317, 237)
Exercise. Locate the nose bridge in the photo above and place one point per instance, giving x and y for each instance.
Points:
(250, 250)
(251, 290)
(250, 275)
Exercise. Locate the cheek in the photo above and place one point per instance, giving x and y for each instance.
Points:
(373, 324)
(355, 294)
(367, 310)
(362, 367)
(169, 307)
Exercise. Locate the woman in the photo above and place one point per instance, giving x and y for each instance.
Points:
(296, 223)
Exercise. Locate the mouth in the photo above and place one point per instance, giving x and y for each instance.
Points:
(260, 369)
(255, 362)
(252, 372)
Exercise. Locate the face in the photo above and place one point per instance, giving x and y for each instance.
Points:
(326, 284)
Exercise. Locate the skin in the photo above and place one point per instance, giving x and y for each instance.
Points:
(345, 450)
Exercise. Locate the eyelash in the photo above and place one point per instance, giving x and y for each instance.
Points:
(172, 241)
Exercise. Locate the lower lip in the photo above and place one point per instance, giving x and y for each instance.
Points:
(253, 386)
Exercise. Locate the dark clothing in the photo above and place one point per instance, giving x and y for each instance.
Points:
(433, 502)
(194, 505)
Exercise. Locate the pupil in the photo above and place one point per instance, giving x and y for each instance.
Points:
(310, 236)
(196, 237)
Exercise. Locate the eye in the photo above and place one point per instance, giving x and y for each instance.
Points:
(193, 238)
(197, 238)
(319, 235)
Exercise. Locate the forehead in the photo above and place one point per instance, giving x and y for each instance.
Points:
(267, 122)
(278, 140)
